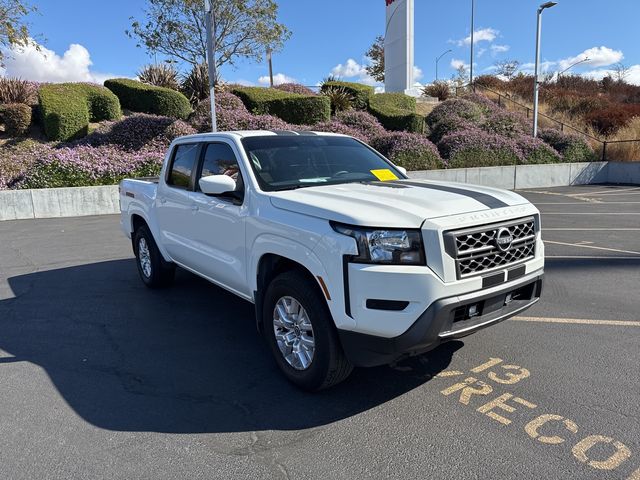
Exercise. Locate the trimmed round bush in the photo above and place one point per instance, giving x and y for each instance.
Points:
(17, 118)
(295, 88)
(573, 148)
(290, 107)
(535, 150)
(200, 119)
(366, 124)
(359, 93)
(486, 105)
(67, 109)
(409, 150)
(140, 97)
(457, 107)
(477, 148)
(396, 111)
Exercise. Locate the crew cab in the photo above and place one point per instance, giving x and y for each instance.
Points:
(349, 262)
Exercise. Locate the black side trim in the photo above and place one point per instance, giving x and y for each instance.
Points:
(488, 200)
(345, 282)
(387, 305)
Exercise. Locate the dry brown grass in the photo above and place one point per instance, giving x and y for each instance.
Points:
(626, 152)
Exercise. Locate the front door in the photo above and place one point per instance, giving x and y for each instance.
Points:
(218, 223)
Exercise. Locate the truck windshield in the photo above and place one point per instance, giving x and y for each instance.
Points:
(289, 162)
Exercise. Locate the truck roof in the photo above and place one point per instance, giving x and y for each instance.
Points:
(257, 133)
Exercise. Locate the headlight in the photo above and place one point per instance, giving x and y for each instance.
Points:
(386, 246)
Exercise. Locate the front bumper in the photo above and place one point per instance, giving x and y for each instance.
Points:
(443, 320)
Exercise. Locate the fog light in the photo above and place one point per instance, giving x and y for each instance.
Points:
(473, 310)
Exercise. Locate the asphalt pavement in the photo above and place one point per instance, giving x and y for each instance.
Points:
(103, 378)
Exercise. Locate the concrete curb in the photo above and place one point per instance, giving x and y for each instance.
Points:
(103, 200)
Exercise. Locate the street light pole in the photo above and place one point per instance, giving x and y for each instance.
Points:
(210, 22)
(536, 80)
(438, 59)
(473, 7)
(269, 55)
(586, 59)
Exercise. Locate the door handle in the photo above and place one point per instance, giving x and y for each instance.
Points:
(163, 200)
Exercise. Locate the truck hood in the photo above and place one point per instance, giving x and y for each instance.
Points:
(400, 203)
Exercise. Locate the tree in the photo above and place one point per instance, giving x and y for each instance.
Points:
(376, 55)
(506, 68)
(620, 72)
(13, 29)
(461, 76)
(243, 29)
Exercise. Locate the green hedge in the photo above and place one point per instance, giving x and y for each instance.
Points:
(360, 93)
(290, 107)
(140, 97)
(396, 111)
(67, 108)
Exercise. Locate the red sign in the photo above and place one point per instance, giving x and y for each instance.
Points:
(389, 2)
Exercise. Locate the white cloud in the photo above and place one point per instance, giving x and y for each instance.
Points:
(481, 52)
(349, 69)
(545, 66)
(482, 35)
(278, 79)
(496, 49)
(598, 57)
(417, 73)
(456, 64)
(44, 65)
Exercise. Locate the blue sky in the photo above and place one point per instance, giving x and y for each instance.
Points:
(88, 42)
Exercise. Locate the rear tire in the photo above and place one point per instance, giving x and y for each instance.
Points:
(301, 334)
(154, 271)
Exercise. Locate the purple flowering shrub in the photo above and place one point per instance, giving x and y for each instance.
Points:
(85, 165)
(535, 150)
(455, 107)
(366, 124)
(295, 88)
(337, 127)
(506, 123)
(409, 150)
(573, 148)
(487, 105)
(449, 125)
(477, 148)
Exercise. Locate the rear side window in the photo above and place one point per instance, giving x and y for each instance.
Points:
(184, 161)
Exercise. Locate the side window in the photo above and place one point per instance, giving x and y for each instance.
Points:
(219, 159)
(184, 160)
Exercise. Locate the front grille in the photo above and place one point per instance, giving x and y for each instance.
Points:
(476, 250)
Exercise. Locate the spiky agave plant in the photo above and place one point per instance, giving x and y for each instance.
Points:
(16, 90)
(195, 85)
(341, 99)
(160, 75)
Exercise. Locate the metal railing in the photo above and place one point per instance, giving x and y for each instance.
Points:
(562, 126)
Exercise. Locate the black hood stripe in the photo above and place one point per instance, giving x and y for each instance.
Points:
(488, 200)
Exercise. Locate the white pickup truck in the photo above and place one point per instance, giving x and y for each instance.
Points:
(347, 260)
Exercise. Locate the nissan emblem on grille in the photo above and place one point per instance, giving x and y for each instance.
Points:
(504, 239)
(478, 250)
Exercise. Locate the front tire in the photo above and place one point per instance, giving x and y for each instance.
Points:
(300, 332)
(154, 271)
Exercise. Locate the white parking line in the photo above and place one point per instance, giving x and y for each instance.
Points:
(579, 321)
(592, 257)
(593, 229)
(610, 192)
(591, 247)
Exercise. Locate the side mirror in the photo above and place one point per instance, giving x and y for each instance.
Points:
(217, 184)
(402, 170)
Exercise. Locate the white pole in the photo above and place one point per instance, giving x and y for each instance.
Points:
(536, 80)
(211, 60)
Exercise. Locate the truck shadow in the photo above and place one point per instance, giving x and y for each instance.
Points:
(182, 360)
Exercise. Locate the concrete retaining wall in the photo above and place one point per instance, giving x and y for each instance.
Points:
(80, 201)
(59, 202)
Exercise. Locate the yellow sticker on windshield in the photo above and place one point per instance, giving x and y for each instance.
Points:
(384, 174)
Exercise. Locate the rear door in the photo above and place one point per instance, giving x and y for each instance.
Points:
(174, 206)
(218, 225)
